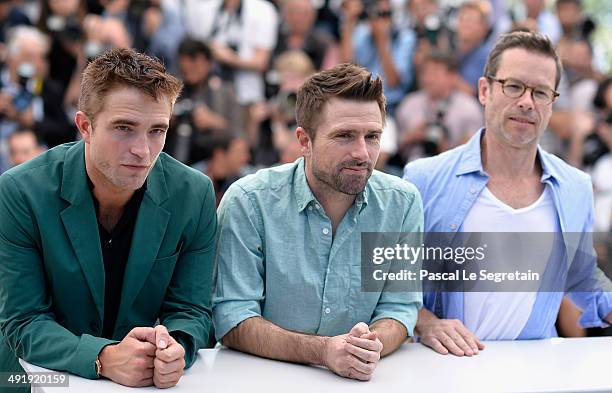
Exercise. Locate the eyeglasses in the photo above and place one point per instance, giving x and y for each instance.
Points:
(513, 88)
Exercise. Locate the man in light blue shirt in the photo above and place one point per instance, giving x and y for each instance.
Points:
(501, 172)
(288, 284)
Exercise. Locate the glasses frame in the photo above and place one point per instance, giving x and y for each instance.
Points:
(502, 82)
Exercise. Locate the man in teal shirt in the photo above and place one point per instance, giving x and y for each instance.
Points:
(288, 284)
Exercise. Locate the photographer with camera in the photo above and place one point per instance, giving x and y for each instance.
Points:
(155, 26)
(28, 99)
(11, 15)
(62, 21)
(242, 35)
(591, 138)
(438, 116)
(291, 69)
(430, 23)
(369, 38)
(205, 108)
(99, 35)
(574, 23)
(297, 32)
(590, 147)
(582, 78)
(471, 45)
(226, 161)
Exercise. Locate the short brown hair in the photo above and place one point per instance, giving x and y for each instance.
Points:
(347, 81)
(125, 67)
(529, 41)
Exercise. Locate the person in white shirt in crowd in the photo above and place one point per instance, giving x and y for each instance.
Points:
(242, 35)
(534, 16)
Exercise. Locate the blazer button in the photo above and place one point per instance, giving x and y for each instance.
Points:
(93, 325)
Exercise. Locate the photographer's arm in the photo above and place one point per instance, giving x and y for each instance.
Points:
(352, 10)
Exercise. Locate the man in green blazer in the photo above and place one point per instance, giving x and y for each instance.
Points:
(103, 238)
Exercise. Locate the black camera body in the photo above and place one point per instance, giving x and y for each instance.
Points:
(370, 10)
(68, 28)
(435, 131)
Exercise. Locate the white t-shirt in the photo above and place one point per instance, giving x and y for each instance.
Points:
(503, 315)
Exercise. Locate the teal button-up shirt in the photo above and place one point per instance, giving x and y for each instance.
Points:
(276, 256)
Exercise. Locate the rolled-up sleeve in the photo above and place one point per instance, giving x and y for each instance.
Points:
(588, 286)
(239, 278)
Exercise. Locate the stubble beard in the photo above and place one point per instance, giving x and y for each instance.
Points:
(342, 182)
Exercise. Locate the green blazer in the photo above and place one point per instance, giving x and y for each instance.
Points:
(52, 272)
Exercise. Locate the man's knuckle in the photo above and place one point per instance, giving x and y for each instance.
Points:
(164, 378)
(139, 363)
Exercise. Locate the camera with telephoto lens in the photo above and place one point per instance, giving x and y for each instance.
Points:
(287, 102)
(24, 97)
(435, 131)
(431, 28)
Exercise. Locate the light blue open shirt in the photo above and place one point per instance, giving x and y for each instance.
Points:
(450, 184)
(276, 257)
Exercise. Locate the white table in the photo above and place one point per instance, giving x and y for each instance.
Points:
(554, 365)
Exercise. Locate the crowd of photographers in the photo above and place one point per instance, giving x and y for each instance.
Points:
(242, 61)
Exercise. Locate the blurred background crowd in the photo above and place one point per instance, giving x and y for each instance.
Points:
(243, 60)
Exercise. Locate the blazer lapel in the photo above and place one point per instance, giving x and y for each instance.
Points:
(149, 231)
(81, 224)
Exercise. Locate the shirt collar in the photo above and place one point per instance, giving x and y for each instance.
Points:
(549, 170)
(472, 160)
(304, 195)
